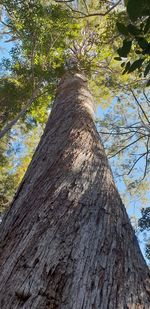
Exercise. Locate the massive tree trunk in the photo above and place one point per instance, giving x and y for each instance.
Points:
(67, 242)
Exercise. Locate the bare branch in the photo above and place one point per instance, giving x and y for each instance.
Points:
(125, 147)
(116, 133)
(146, 159)
(147, 100)
(140, 106)
(141, 156)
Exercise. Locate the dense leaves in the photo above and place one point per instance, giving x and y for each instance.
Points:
(136, 28)
(138, 8)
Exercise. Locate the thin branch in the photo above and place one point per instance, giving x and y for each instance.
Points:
(146, 158)
(86, 6)
(117, 133)
(145, 126)
(76, 11)
(147, 100)
(22, 112)
(140, 106)
(125, 147)
(92, 14)
(141, 156)
(63, 1)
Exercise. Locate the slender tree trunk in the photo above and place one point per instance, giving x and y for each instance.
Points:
(67, 242)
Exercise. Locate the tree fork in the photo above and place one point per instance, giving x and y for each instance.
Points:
(67, 242)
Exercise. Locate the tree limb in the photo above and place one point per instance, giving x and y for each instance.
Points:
(91, 14)
(146, 158)
(125, 147)
(22, 112)
(140, 106)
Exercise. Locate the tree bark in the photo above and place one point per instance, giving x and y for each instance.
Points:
(67, 242)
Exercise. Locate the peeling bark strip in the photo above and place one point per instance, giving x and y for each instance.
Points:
(67, 242)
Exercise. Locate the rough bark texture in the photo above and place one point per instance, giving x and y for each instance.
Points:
(67, 242)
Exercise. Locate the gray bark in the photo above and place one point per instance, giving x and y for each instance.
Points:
(67, 242)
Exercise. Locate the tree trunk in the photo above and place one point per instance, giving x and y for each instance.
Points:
(67, 242)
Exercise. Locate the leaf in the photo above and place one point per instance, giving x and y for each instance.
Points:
(147, 69)
(126, 68)
(134, 9)
(122, 29)
(123, 64)
(118, 58)
(138, 52)
(135, 65)
(138, 8)
(148, 83)
(147, 26)
(142, 42)
(146, 51)
(125, 49)
(133, 29)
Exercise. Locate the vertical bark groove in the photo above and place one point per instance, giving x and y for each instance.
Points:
(67, 242)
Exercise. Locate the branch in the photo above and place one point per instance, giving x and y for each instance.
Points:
(140, 106)
(146, 158)
(62, 1)
(86, 6)
(116, 133)
(92, 14)
(141, 156)
(22, 112)
(125, 147)
(146, 97)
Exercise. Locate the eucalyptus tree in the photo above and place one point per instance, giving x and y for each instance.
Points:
(66, 241)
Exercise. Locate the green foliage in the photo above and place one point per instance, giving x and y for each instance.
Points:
(125, 49)
(137, 30)
(13, 91)
(40, 32)
(138, 8)
(7, 182)
(144, 224)
(15, 155)
(47, 41)
(144, 221)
